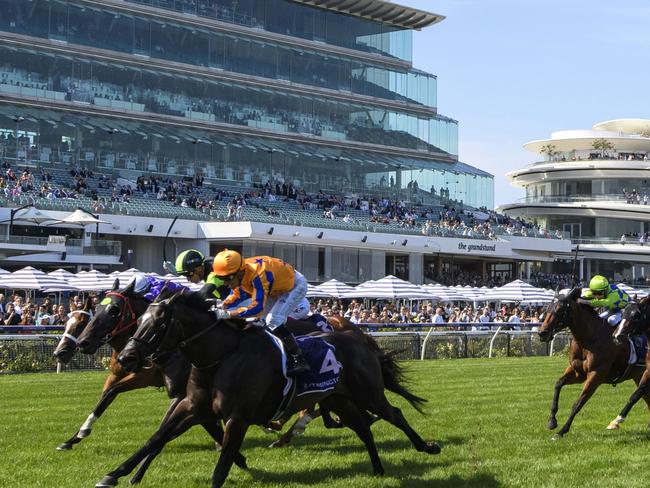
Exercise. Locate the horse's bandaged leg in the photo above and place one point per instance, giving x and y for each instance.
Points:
(87, 426)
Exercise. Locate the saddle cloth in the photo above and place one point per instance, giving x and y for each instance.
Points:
(323, 376)
(638, 349)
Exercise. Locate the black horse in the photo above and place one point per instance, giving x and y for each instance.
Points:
(243, 380)
(635, 321)
(114, 322)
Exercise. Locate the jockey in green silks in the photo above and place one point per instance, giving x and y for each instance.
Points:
(603, 295)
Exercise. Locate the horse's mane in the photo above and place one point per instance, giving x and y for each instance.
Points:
(573, 295)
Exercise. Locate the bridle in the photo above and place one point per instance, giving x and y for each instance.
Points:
(70, 337)
(128, 318)
(160, 355)
(561, 316)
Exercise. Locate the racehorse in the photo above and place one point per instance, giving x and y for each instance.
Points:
(594, 358)
(77, 320)
(244, 382)
(635, 320)
(114, 322)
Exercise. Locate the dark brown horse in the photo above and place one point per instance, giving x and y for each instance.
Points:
(243, 380)
(594, 358)
(635, 320)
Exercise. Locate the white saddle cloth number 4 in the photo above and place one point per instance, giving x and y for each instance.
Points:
(330, 363)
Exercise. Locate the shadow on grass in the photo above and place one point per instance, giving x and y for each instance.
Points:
(315, 476)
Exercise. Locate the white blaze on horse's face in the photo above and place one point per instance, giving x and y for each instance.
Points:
(619, 329)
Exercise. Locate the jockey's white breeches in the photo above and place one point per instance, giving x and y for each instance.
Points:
(285, 304)
(613, 318)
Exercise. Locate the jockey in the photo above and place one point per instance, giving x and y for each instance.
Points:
(193, 265)
(275, 289)
(602, 294)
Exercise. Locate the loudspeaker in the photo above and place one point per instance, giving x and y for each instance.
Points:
(404, 242)
(270, 231)
(64, 255)
(364, 238)
(320, 235)
(150, 228)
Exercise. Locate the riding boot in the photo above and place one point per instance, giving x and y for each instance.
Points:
(296, 363)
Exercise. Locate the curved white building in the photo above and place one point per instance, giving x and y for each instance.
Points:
(594, 185)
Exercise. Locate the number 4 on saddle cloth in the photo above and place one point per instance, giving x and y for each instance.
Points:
(323, 376)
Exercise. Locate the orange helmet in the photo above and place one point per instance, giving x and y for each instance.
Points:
(227, 263)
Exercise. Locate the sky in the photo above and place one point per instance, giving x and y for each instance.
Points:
(513, 71)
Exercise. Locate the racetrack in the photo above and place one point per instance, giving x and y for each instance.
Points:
(489, 415)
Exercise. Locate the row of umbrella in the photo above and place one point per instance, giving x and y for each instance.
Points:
(389, 287)
(393, 288)
(30, 278)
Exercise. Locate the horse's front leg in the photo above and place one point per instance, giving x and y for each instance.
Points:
(642, 390)
(594, 380)
(234, 434)
(182, 419)
(113, 386)
(569, 377)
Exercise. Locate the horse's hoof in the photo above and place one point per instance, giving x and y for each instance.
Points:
(432, 448)
(552, 424)
(66, 446)
(613, 425)
(556, 437)
(107, 481)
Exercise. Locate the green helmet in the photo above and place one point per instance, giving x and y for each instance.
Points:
(598, 284)
(188, 260)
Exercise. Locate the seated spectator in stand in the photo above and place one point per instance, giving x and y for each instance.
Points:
(27, 318)
(42, 316)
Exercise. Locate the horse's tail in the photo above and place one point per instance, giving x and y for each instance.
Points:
(393, 375)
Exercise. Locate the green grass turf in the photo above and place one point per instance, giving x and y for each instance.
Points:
(489, 416)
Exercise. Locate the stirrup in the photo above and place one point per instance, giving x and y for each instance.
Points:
(296, 365)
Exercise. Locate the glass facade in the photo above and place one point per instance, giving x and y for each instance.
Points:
(60, 77)
(124, 92)
(155, 38)
(585, 189)
(305, 22)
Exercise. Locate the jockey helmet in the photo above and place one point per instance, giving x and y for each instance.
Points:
(598, 284)
(188, 260)
(227, 263)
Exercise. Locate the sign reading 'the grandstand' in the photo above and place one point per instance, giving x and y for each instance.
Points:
(476, 247)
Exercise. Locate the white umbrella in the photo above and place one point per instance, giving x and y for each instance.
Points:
(632, 291)
(92, 280)
(335, 288)
(81, 217)
(518, 291)
(314, 292)
(33, 216)
(390, 287)
(470, 293)
(181, 280)
(62, 274)
(29, 278)
(126, 276)
(445, 294)
(4, 272)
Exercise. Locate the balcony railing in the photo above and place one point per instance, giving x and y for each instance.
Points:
(613, 197)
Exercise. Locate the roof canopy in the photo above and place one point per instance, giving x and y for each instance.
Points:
(379, 11)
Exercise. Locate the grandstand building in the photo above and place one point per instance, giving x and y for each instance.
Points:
(593, 186)
(273, 127)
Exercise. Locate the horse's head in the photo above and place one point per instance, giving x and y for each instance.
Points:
(558, 315)
(156, 337)
(75, 325)
(634, 320)
(114, 315)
